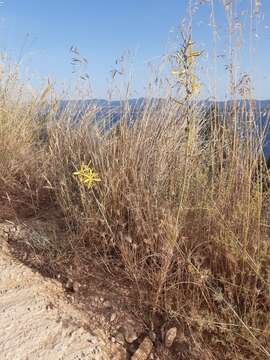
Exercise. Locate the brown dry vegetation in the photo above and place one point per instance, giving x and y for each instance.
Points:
(180, 217)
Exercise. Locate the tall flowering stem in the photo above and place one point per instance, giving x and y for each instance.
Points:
(184, 71)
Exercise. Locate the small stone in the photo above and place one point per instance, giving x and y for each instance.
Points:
(144, 350)
(129, 333)
(119, 337)
(107, 304)
(69, 284)
(170, 337)
(113, 317)
(76, 286)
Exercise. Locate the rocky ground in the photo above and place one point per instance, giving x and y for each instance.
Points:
(37, 322)
(41, 320)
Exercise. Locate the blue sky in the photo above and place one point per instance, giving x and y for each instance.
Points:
(39, 34)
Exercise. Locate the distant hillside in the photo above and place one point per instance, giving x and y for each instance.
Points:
(113, 108)
(109, 112)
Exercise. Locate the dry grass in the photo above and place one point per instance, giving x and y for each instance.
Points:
(180, 216)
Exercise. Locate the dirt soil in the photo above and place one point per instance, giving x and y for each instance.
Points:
(37, 321)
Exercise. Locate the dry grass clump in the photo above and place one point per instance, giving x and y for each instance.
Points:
(178, 215)
(21, 182)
